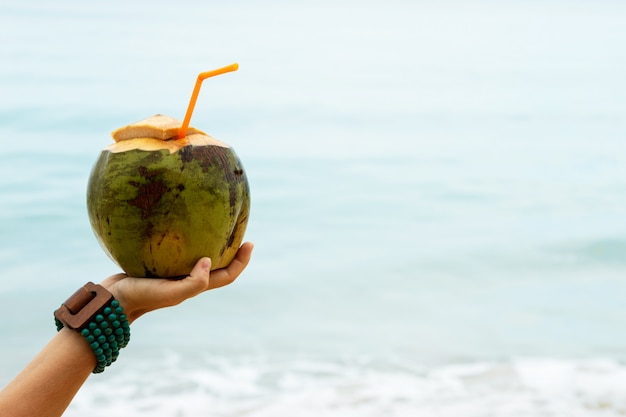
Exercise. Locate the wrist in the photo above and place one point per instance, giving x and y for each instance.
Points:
(130, 309)
(98, 317)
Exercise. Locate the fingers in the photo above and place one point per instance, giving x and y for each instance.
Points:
(202, 279)
(225, 276)
(140, 295)
(197, 281)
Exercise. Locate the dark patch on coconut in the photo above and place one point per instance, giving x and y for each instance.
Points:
(186, 155)
(149, 229)
(209, 157)
(149, 273)
(148, 193)
(231, 239)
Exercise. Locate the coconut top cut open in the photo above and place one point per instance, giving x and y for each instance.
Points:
(157, 133)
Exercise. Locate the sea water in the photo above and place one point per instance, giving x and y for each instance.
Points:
(438, 202)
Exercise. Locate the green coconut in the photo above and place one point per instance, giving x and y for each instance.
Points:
(157, 203)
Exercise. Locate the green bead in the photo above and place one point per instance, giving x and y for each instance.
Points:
(106, 334)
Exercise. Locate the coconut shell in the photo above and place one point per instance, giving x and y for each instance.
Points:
(157, 206)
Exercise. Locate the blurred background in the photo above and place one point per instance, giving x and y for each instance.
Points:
(438, 201)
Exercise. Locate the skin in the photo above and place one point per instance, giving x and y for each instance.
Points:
(47, 385)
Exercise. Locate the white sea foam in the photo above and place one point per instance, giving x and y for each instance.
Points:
(220, 387)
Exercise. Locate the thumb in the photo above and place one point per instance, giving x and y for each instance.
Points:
(198, 279)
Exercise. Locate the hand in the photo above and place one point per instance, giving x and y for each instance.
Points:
(141, 295)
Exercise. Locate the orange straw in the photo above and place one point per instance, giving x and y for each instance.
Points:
(196, 90)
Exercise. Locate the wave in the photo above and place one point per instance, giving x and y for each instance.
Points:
(525, 387)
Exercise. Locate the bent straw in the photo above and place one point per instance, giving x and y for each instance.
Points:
(196, 90)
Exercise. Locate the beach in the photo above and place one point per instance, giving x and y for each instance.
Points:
(438, 202)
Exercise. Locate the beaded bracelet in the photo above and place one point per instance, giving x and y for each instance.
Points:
(99, 318)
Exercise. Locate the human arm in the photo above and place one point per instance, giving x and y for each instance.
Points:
(47, 385)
